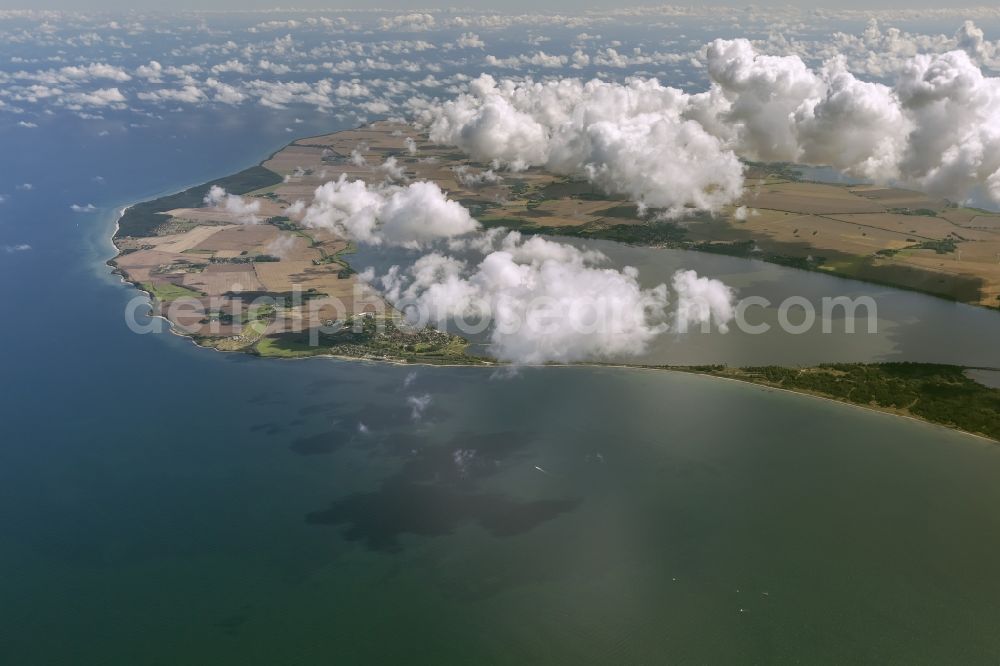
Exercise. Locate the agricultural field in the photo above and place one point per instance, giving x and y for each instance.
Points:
(180, 249)
(880, 234)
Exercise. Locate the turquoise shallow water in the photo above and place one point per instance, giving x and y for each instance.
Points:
(169, 505)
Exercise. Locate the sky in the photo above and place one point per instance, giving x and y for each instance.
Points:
(567, 6)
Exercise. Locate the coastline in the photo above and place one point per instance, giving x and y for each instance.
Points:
(494, 364)
(558, 232)
(817, 396)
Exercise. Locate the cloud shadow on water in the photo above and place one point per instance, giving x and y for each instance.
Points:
(435, 491)
(387, 416)
(321, 443)
(401, 507)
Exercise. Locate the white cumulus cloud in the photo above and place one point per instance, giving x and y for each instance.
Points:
(412, 216)
(548, 301)
(934, 128)
(243, 210)
(638, 138)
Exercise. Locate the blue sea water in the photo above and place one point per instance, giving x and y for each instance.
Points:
(163, 504)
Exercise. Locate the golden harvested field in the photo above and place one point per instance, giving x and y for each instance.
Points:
(822, 233)
(883, 234)
(294, 158)
(251, 238)
(185, 241)
(972, 219)
(567, 212)
(893, 197)
(382, 136)
(138, 266)
(218, 279)
(814, 198)
(917, 227)
(285, 276)
(219, 216)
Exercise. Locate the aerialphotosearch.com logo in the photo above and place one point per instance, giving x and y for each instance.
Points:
(242, 315)
(797, 315)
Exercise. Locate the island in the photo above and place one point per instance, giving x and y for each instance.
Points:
(268, 287)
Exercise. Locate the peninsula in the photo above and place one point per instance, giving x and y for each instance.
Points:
(276, 289)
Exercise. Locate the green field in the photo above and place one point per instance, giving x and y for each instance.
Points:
(273, 346)
(385, 343)
(167, 291)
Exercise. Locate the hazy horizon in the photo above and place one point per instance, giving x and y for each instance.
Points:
(444, 5)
